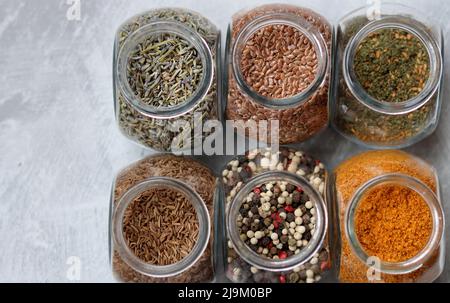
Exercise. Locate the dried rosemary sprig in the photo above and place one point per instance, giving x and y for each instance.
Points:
(164, 70)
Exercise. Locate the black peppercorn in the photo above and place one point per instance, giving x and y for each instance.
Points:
(290, 217)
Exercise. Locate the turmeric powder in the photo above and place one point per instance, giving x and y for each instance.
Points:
(393, 223)
(349, 177)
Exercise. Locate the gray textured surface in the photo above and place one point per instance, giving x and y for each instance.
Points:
(60, 147)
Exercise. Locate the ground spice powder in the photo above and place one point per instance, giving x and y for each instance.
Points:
(351, 175)
(393, 223)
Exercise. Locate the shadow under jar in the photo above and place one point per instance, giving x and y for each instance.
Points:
(389, 219)
(276, 218)
(162, 221)
(278, 65)
(166, 73)
(388, 77)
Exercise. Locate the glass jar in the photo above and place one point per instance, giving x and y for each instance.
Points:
(387, 108)
(159, 104)
(287, 81)
(162, 175)
(355, 180)
(299, 219)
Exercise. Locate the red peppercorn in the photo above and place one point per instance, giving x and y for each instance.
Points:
(282, 255)
(289, 209)
(276, 224)
(324, 265)
(299, 189)
(257, 190)
(317, 162)
(282, 279)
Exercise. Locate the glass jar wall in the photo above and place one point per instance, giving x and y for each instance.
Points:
(389, 222)
(278, 65)
(388, 76)
(162, 221)
(166, 76)
(276, 218)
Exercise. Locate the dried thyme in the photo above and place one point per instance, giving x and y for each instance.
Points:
(165, 70)
(392, 65)
(156, 133)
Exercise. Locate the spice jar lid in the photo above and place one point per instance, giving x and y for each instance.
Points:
(161, 271)
(306, 253)
(153, 29)
(433, 204)
(422, 33)
(303, 26)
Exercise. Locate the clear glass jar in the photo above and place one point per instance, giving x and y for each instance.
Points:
(300, 109)
(351, 182)
(374, 123)
(289, 168)
(183, 176)
(167, 128)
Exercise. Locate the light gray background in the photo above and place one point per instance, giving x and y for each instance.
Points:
(60, 147)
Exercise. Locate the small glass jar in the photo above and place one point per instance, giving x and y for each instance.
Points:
(164, 173)
(291, 91)
(171, 127)
(358, 114)
(356, 178)
(289, 168)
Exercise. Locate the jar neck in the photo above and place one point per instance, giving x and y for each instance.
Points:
(153, 29)
(155, 270)
(264, 263)
(417, 29)
(431, 201)
(300, 24)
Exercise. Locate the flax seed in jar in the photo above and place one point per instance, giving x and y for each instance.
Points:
(278, 63)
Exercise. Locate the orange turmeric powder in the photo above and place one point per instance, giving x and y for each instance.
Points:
(349, 177)
(393, 223)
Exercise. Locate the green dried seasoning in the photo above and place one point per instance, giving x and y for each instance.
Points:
(384, 76)
(392, 65)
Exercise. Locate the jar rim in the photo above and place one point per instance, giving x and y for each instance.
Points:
(433, 204)
(161, 271)
(420, 31)
(261, 262)
(165, 27)
(307, 29)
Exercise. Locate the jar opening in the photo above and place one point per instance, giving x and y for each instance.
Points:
(417, 187)
(417, 30)
(122, 215)
(192, 40)
(285, 262)
(292, 24)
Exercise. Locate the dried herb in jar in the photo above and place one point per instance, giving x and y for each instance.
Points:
(167, 80)
(392, 65)
(164, 71)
